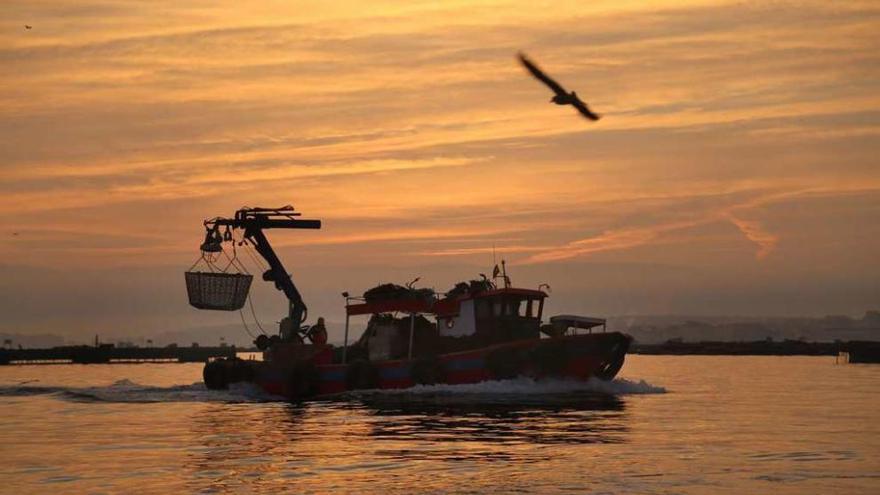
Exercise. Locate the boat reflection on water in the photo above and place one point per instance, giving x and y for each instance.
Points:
(323, 443)
(545, 419)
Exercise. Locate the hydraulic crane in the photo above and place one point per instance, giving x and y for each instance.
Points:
(253, 221)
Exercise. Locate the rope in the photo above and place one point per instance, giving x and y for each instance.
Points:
(235, 257)
(249, 250)
(196, 263)
(227, 264)
(208, 262)
(254, 313)
(234, 262)
(256, 260)
(246, 329)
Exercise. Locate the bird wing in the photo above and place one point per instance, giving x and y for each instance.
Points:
(582, 108)
(528, 64)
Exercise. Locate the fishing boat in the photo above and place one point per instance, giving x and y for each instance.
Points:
(479, 330)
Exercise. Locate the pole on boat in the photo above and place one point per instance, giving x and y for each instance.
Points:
(345, 341)
(412, 327)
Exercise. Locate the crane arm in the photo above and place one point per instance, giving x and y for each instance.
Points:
(253, 221)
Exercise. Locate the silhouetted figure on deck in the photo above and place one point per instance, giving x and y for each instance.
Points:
(318, 332)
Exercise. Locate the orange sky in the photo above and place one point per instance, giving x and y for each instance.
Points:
(735, 170)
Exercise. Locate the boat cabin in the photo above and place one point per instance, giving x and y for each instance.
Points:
(493, 316)
(463, 320)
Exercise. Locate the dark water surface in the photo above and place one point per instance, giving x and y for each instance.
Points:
(683, 424)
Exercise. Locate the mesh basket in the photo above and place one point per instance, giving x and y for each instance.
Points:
(220, 291)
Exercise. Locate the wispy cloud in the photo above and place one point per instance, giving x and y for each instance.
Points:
(755, 232)
(657, 232)
(611, 240)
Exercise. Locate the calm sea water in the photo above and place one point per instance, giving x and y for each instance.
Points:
(667, 425)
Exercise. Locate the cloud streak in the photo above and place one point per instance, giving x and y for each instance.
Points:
(755, 232)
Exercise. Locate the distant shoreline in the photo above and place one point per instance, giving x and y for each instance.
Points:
(109, 354)
(857, 350)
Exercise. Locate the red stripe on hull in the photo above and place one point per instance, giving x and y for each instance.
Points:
(272, 388)
(579, 357)
(331, 387)
(470, 376)
(395, 384)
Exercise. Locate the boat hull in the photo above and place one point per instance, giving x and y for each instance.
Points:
(579, 357)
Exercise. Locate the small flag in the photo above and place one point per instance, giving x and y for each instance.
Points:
(496, 272)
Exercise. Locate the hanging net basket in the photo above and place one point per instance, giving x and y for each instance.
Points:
(223, 289)
(218, 291)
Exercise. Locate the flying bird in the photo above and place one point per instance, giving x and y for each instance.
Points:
(27, 27)
(562, 97)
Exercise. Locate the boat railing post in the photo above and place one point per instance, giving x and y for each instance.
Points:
(345, 340)
(412, 327)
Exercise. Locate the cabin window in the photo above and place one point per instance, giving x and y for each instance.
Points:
(514, 307)
(498, 307)
(482, 309)
(517, 308)
(510, 307)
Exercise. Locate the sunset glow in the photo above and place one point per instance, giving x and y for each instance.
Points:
(737, 154)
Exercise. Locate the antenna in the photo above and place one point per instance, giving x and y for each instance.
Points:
(495, 271)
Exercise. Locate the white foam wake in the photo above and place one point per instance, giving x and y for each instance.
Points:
(529, 386)
(129, 391)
